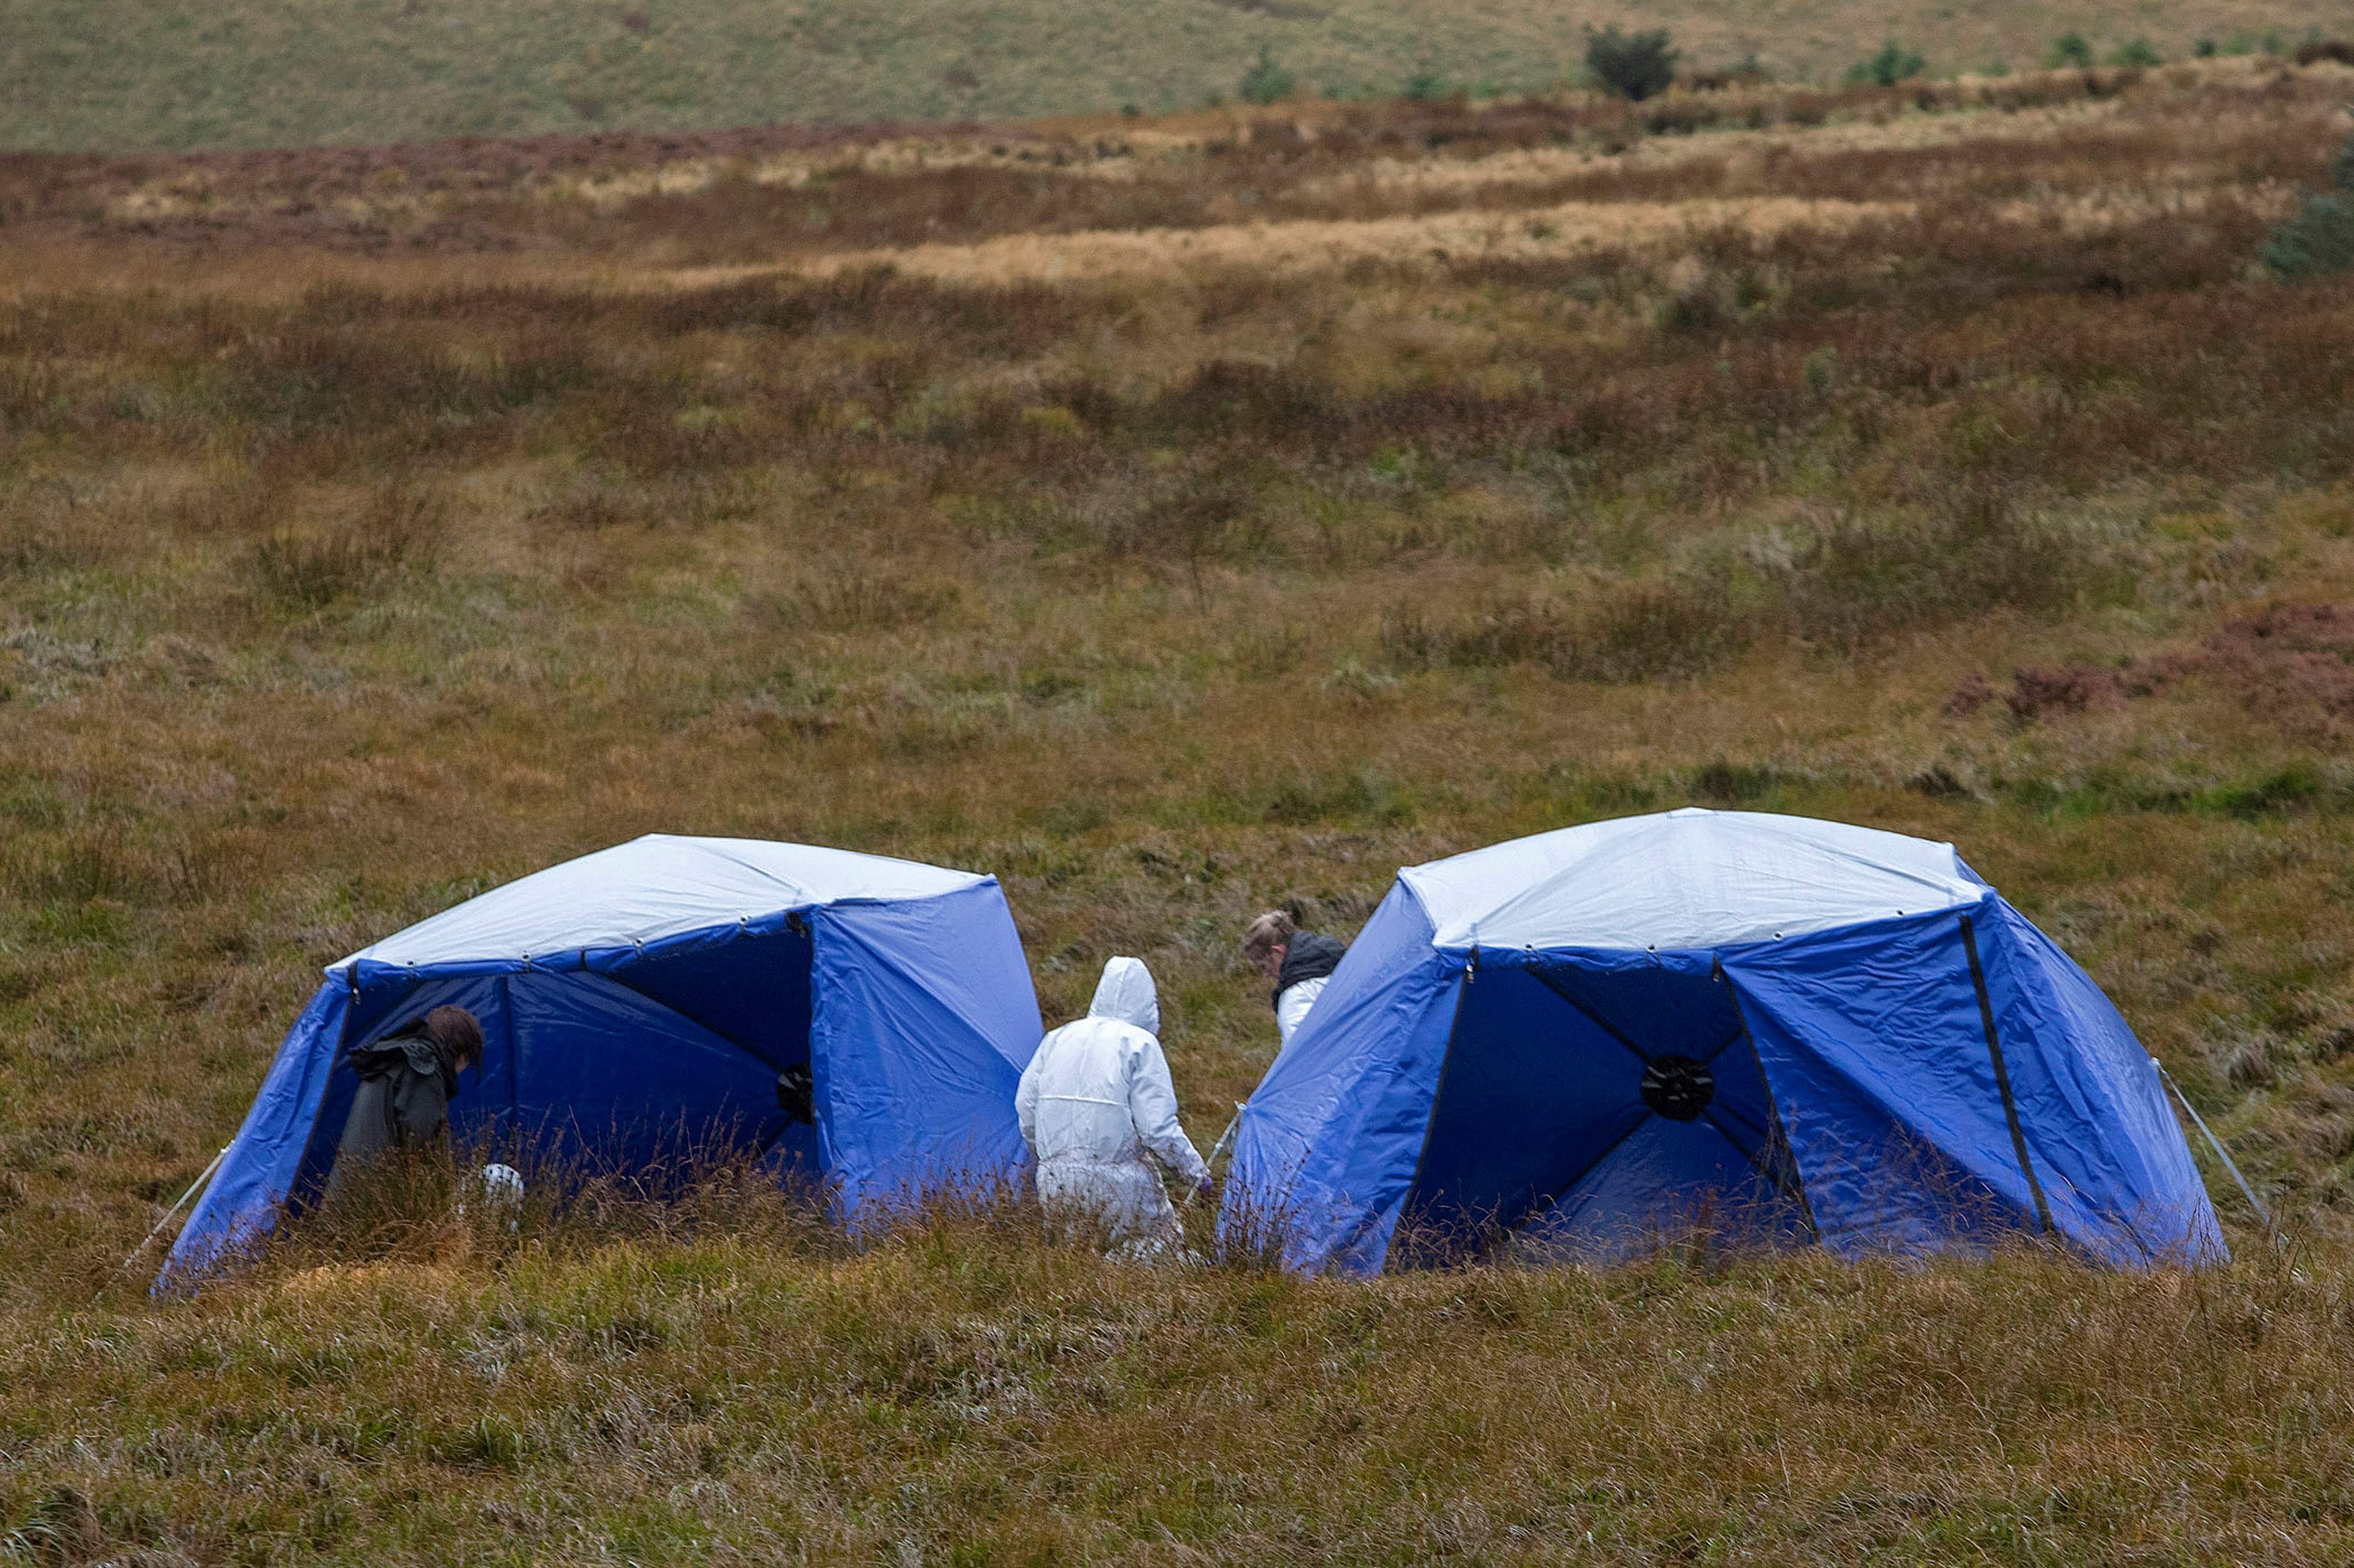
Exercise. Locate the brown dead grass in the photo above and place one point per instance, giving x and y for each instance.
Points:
(340, 581)
(1280, 250)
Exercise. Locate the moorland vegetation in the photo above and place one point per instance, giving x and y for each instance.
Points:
(1176, 517)
(180, 75)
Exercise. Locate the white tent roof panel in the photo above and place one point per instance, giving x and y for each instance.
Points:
(652, 888)
(1687, 879)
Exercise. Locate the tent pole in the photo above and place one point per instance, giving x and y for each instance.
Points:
(2002, 1078)
(2222, 1153)
(1220, 1147)
(202, 1177)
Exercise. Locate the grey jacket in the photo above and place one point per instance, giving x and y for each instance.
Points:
(406, 1084)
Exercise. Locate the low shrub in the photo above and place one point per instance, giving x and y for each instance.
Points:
(1895, 63)
(2070, 51)
(1632, 64)
(2318, 237)
(1265, 82)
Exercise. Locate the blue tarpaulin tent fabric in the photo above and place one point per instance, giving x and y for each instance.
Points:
(639, 1004)
(1588, 1041)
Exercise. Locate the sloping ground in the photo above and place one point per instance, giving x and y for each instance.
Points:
(177, 74)
(1298, 187)
(376, 527)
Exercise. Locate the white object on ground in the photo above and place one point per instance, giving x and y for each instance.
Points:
(503, 1192)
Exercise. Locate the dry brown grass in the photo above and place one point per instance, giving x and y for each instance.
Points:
(974, 1396)
(768, 196)
(340, 580)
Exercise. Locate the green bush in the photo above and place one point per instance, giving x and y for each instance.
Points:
(2070, 49)
(1893, 64)
(2136, 51)
(1632, 64)
(2318, 237)
(1265, 82)
(1424, 86)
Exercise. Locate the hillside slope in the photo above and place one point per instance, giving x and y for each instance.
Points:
(1176, 518)
(148, 75)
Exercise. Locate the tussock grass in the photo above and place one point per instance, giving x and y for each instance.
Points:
(978, 1393)
(347, 571)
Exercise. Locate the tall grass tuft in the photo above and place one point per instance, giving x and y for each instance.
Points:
(402, 529)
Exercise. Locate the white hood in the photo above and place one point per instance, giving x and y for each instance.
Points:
(1126, 993)
(1097, 1093)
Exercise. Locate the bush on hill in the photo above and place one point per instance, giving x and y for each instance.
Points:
(1632, 64)
(1265, 82)
(1893, 64)
(2318, 237)
(2070, 50)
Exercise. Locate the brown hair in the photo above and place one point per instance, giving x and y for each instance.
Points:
(455, 1031)
(1271, 930)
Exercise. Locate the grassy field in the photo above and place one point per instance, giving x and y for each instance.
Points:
(1176, 517)
(155, 75)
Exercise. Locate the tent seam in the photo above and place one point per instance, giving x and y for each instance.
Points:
(1779, 1132)
(2002, 1076)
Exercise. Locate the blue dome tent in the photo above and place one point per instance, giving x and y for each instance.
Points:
(1584, 1042)
(643, 1002)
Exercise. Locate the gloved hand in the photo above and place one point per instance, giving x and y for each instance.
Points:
(1204, 1192)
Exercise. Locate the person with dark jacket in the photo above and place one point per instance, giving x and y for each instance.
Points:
(1298, 961)
(408, 1079)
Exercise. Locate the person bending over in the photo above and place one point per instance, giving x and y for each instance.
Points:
(1299, 963)
(408, 1079)
(1095, 1101)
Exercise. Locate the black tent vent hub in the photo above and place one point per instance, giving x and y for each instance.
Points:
(1678, 1088)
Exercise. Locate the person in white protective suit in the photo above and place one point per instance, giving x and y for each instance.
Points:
(1093, 1102)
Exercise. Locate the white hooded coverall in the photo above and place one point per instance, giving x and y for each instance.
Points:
(1093, 1101)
